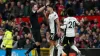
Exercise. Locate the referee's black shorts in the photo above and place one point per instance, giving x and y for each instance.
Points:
(37, 35)
(68, 40)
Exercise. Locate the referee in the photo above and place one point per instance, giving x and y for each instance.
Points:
(35, 28)
(7, 41)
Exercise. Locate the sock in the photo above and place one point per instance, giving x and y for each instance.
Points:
(75, 48)
(55, 51)
(60, 50)
(51, 50)
(38, 50)
(66, 49)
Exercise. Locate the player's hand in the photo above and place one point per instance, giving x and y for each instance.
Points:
(37, 43)
(64, 54)
(48, 3)
(32, 1)
(59, 33)
(2, 46)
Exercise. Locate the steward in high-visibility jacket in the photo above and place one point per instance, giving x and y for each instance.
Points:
(8, 39)
(7, 42)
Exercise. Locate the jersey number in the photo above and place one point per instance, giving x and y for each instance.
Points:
(72, 24)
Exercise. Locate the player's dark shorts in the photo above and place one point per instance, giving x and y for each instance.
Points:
(68, 40)
(54, 37)
(37, 35)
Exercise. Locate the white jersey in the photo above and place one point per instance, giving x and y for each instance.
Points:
(52, 17)
(69, 25)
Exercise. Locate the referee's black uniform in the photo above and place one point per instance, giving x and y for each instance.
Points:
(35, 31)
(35, 26)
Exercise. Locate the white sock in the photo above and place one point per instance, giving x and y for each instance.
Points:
(60, 49)
(51, 50)
(75, 48)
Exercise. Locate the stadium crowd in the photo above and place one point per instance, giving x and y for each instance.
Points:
(87, 34)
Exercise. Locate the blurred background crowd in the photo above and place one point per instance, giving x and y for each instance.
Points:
(87, 34)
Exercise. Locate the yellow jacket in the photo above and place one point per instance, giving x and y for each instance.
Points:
(8, 39)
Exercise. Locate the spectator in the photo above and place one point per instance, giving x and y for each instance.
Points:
(28, 44)
(85, 21)
(81, 9)
(43, 30)
(1, 6)
(96, 3)
(96, 10)
(44, 43)
(82, 45)
(88, 4)
(86, 13)
(12, 9)
(6, 12)
(22, 11)
(95, 45)
(99, 37)
(48, 36)
(21, 42)
(94, 27)
(77, 39)
(82, 31)
(91, 13)
(95, 21)
(27, 9)
(69, 4)
(26, 30)
(40, 2)
(0, 16)
(17, 9)
(90, 45)
(15, 36)
(75, 6)
(1, 36)
(97, 31)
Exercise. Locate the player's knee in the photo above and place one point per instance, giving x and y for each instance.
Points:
(64, 54)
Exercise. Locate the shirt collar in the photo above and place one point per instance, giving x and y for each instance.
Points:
(33, 11)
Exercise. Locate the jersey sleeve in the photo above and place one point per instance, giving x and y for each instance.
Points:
(77, 21)
(64, 24)
(65, 21)
(55, 16)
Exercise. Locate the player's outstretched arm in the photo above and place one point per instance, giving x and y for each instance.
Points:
(63, 26)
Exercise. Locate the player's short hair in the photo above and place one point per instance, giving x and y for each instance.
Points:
(70, 12)
(51, 5)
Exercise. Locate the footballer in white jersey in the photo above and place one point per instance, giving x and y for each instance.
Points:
(54, 25)
(69, 26)
(53, 21)
(52, 17)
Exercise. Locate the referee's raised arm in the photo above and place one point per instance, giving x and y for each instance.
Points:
(42, 8)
